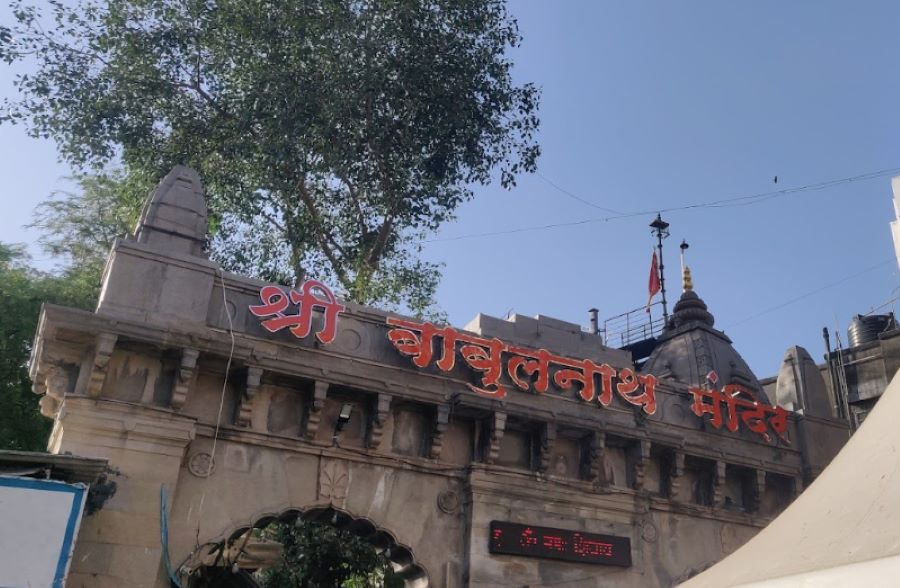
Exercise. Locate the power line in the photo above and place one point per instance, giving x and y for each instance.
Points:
(808, 294)
(746, 200)
(575, 196)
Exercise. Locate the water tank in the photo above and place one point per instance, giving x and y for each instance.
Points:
(865, 328)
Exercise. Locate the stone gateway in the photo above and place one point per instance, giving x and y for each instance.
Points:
(224, 403)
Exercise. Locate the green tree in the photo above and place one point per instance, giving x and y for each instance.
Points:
(22, 291)
(346, 130)
(79, 228)
(320, 556)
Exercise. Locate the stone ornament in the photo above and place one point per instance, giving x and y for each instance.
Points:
(497, 428)
(649, 532)
(245, 410)
(378, 420)
(184, 376)
(442, 421)
(334, 478)
(448, 501)
(103, 350)
(202, 464)
(320, 393)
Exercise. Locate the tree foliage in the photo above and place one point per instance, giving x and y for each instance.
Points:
(321, 556)
(22, 291)
(346, 130)
(79, 228)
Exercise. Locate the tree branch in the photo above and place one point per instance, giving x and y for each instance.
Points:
(325, 242)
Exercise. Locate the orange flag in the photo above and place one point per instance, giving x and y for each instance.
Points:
(653, 285)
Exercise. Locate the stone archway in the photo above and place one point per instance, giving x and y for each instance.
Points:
(401, 557)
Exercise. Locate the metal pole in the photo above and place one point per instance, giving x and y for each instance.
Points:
(661, 230)
(662, 277)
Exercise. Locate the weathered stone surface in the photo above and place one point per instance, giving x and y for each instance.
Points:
(174, 218)
(423, 464)
(800, 386)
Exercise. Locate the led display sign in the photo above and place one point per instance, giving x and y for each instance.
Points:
(577, 546)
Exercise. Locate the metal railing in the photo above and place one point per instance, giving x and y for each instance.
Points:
(632, 326)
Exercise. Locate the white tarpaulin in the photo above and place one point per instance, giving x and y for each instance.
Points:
(844, 530)
(40, 520)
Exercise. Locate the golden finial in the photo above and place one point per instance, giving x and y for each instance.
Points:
(686, 283)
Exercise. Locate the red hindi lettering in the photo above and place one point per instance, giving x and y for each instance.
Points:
(779, 422)
(313, 294)
(714, 408)
(407, 342)
(607, 374)
(484, 355)
(274, 302)
(583, 373)
(628, 384)
(529, 362)
(587, 547)
(752, 415)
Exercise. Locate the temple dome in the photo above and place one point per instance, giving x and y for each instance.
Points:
(690, 348)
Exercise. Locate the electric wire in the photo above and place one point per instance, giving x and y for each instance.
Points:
(735, 201)
(575, 196)
(808, 294)
(221, 402)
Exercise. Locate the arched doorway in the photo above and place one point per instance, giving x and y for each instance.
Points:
(232, 560)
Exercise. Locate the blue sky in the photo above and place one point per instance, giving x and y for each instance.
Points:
(654, 105)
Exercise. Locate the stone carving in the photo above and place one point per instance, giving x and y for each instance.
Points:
(497, 428)
(676, 474)
(53, 387)
(758, 490)
(547, 436)
(448, 501)
(719, 484)
(334, 478)
(183, 377)
(640, 453)
(103, 349)
(649, 532)
(245, 410)
(348, 340)
(202, 464)
(378, 420)
(560, 465)
(442, 421)
(596, 468)
(49, 406)
(315, 409)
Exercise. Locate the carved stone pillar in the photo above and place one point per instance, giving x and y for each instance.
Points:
(184, 377)
(758, 490)
(315, 409)
(442, 421)
(497, 427)
(547, 438)
(676, 474)
(103, 349)
(378, 419)
(719, 484)
(594, 464)
(639, 455)
(245, 410)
